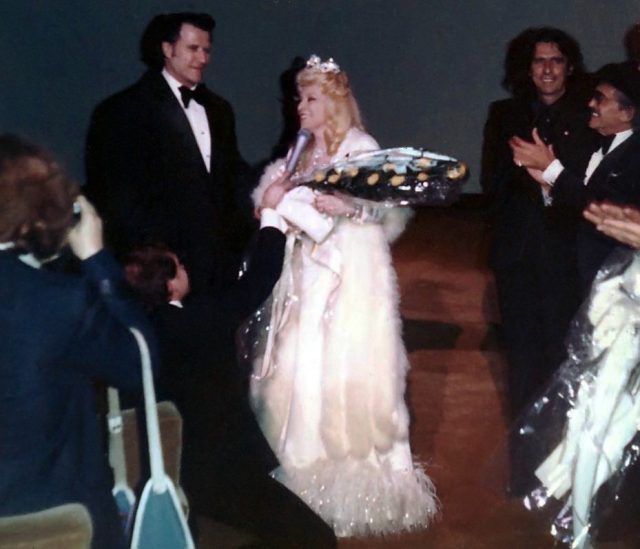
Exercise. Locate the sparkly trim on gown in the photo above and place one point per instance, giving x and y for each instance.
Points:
(329, 394)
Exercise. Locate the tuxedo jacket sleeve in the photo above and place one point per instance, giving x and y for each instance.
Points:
(200, 336)
(570, 191)
(207, 316)
(121, 165)
(265, 265)
(496, 168)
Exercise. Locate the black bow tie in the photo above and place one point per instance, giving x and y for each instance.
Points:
(197, 94)
(605, 142)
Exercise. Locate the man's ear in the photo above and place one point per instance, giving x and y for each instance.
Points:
(167, 49)
(570, 70)
(171, 288)
(629, 113)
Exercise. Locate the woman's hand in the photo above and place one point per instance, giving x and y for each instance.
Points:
(335, 205)
(619, 222)
(85, 238)
(274, 193)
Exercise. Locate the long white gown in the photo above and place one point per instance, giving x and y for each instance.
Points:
(329, 394)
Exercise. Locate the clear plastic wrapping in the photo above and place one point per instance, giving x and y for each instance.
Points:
(402, 176)
(574, 447)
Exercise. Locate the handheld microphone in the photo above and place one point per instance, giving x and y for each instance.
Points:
(301, 142)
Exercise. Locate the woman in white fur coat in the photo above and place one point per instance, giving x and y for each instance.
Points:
(329, 387)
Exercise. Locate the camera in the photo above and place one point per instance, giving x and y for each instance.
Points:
(76, 213)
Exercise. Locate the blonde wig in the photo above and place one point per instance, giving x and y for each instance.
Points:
(342, 110)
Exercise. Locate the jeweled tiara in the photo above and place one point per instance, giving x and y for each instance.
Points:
(314, 63)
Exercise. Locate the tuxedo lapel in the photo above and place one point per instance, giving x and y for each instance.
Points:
(616, 178)
(614, 163)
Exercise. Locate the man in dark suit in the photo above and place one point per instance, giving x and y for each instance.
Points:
(162, 158)
(226, 459)
(611, 171)
(59, 334)
(532, 248)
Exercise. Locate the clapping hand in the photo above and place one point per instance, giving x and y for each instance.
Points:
(619, 222)
(534, 155)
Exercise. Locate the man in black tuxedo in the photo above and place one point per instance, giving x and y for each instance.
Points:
(532, 248)
(162, 158)
(609, 171)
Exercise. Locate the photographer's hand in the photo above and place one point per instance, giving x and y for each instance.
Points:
(85, 238)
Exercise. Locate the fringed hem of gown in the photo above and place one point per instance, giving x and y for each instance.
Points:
(357, 498)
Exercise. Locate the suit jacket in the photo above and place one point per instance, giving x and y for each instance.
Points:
(201, 375)
(59, 334)
(147, 177)
(617, 180)
(524, 228)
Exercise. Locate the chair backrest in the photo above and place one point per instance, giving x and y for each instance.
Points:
(67, 526)
(171, 435)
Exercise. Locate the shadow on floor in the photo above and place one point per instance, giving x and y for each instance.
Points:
(423, 335)
(429, 334)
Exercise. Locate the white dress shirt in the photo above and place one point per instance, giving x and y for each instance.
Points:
(553, 171)
(197, 117)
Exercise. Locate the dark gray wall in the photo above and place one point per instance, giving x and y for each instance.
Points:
(424, 71)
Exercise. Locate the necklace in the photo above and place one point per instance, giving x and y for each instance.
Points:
(317, 159)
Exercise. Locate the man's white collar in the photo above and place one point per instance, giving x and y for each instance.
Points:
(173, 83)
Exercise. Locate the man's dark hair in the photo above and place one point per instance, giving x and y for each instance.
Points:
(520, 51)
(632, 44)
(625, 79)
(148, 269)
(627, 104)
(624, 101)
(166, 28)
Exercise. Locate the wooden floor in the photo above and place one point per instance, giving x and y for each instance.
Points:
(456, 386)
